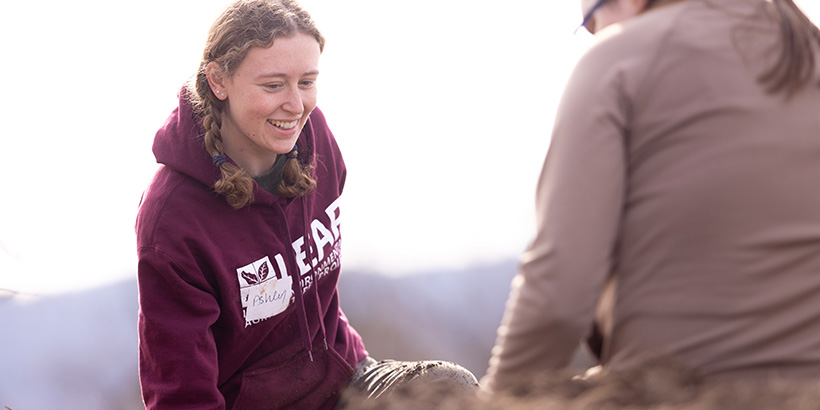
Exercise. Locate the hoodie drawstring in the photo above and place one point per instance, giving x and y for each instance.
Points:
(314, 280)
(304, 327)
(296, 274)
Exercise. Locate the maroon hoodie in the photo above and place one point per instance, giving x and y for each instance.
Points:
(239, 308)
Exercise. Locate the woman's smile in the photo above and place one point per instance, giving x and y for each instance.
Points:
(284, 125)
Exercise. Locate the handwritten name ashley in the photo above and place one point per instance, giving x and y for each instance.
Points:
(271, 297)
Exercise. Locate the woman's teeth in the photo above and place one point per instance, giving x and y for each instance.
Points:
(284, 125)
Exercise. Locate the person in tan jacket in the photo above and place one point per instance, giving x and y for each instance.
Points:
(684, 168)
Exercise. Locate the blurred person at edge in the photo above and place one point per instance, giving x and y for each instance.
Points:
(683, 177)
(238, 235)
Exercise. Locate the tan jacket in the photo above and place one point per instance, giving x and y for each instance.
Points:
(671, 168)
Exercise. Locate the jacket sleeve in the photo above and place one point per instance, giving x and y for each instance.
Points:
(578, 203)
(177, 354)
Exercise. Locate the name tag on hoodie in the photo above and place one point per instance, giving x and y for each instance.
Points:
(265, 293)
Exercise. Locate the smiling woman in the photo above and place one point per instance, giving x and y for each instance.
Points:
(254, 108)
(239, 306)
(231, 295)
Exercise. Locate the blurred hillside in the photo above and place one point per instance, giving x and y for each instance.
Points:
(70, 351)
(450, 315)
(79, 350)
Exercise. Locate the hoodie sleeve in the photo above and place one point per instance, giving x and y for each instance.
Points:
(177, 354)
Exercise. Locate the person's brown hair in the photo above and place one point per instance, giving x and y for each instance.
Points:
(799, 40)
(243, 25)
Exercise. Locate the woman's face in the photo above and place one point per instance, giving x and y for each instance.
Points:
(269, 99)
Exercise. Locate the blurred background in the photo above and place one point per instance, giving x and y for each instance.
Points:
(442, 108)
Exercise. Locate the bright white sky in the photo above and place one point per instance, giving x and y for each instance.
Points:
(442, 109)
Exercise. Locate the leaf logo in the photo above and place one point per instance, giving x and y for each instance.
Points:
(250, 278)
(260, 276)
(263, 271)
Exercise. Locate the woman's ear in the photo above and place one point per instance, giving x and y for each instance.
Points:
(216, 80)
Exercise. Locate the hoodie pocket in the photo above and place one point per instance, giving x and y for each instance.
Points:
(295, 383)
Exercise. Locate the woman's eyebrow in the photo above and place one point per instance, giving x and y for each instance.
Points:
(312, 72)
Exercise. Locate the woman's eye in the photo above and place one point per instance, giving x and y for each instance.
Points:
(307, 83)
(273, 86)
